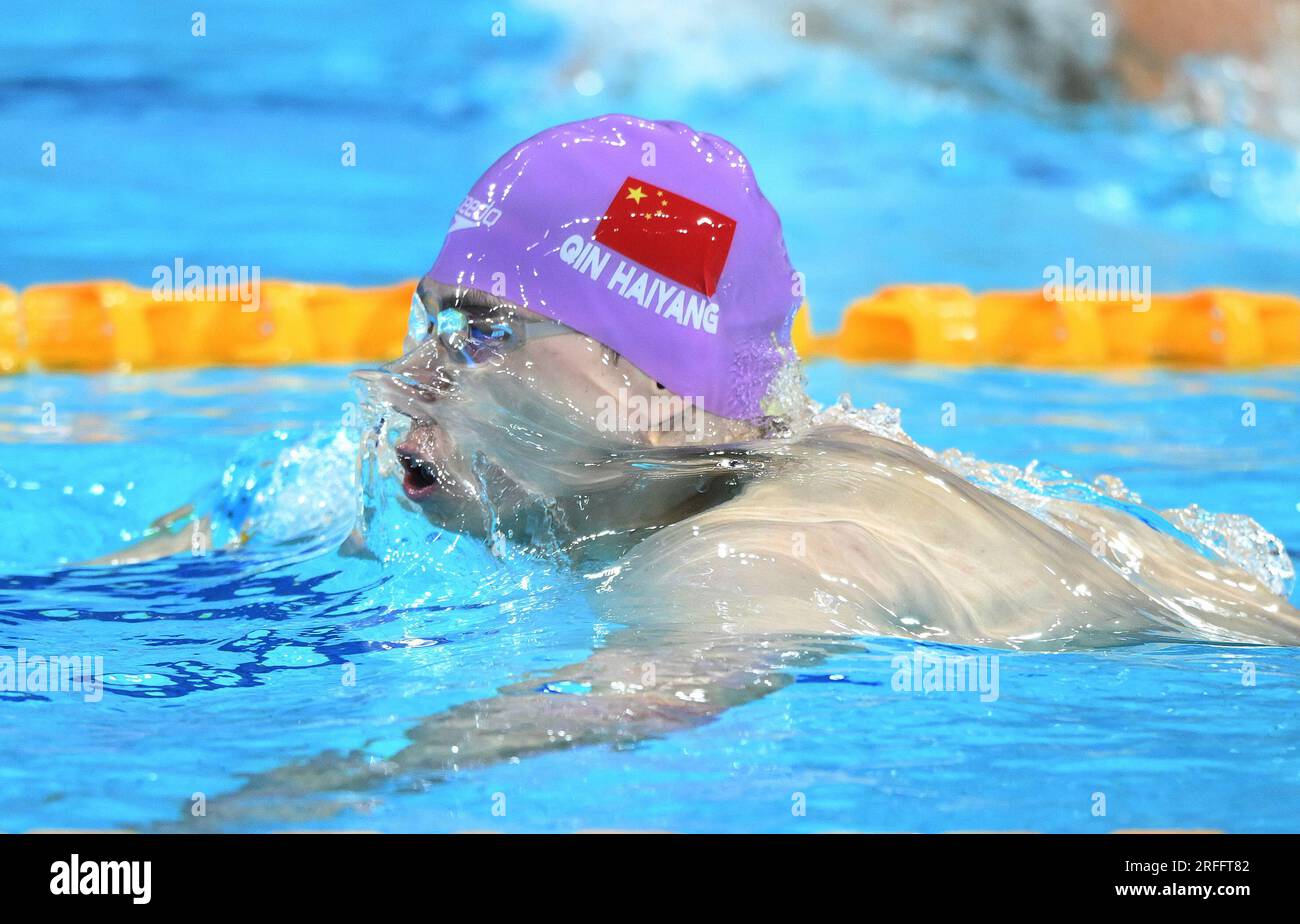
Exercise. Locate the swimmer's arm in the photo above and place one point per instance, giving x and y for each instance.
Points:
(628, 692)
(171, 534)
(181, 532)
(640, 686)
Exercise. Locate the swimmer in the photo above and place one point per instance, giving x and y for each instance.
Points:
(599, 369)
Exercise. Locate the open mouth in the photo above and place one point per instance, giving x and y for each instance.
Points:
(421, 478)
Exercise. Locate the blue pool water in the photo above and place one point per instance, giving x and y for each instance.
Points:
(226, 665)
(225, 149)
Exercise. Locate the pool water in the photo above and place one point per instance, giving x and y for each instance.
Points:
(220, 666)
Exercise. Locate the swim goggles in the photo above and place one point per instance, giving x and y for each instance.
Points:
(476, 330)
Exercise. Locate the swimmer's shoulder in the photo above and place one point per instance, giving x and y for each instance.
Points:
(839, 443)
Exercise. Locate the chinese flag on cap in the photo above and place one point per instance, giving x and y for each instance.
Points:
(670, 234)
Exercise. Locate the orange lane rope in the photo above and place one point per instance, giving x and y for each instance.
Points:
(111, 325)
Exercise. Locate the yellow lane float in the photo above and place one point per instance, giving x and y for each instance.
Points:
(947, 324)
(112, 325)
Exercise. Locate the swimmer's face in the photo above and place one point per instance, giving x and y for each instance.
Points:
(512, 411)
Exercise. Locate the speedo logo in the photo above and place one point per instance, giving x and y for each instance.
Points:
(473, 213)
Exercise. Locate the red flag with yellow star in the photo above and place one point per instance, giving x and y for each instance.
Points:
(670, 234)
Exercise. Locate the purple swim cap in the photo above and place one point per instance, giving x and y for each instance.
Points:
(647, 236)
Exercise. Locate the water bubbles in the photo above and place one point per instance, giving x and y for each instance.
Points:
(281, 489)
(1241, 541)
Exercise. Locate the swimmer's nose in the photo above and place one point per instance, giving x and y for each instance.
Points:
(412, 395)
(424, 370)
(426, 363)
